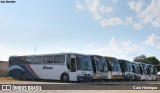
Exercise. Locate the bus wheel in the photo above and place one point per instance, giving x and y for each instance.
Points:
(64, 78)
(24, 76)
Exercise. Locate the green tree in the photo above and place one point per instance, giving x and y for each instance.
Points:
(149, 60)
(153, 60)
(141, 58)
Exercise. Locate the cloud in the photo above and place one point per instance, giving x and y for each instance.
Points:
(158, 46)
(104, 9)
(147, 14)
(153, 40)
(93, 6)
(99, 10)
(111, 21)
(136, 6)
(96, 8)
(80, 6)
(115, 1)
(137, 25)
(120, 49)
(151, 14)
(89, 45)
(129, 20)
(123, 47)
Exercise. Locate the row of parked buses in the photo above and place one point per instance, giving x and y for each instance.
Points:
(78, 67)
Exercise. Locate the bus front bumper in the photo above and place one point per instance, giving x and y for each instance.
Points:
(117, 77)
(84, 78)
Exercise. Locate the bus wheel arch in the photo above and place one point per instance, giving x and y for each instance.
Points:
(64, 77)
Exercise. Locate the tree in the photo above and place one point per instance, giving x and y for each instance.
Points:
(153, 60)
(149, 60)
(141, 58)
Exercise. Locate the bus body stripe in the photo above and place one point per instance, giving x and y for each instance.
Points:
(31, 70)
(15, 67)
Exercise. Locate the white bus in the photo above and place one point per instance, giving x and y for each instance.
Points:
(150, 72)
(141, 70)
(99, 67)
(136, 71)
(61, 66)
(126, 67)
(114, 70)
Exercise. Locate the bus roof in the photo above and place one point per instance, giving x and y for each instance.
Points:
(109, 57)
(123, 60)
(49, 54)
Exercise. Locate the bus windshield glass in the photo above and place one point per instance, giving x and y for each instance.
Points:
(84, 63)
(116, 65)
(135, 68)
(101, 65)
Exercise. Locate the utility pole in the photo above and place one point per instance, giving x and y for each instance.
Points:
(34, 53)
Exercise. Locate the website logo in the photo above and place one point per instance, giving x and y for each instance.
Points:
(6, 87)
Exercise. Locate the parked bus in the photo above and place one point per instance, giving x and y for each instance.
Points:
(61, 66)
(147, 69)
(136, 72)
(151, 70)
(127, 71)
(99, 67)
(141, 70)
(155, 71)
(114, 70)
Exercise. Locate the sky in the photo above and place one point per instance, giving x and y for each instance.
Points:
(120, 28)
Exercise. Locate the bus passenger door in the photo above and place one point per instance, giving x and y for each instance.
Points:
(73, 73)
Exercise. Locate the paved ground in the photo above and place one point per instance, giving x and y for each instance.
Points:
(89, 87)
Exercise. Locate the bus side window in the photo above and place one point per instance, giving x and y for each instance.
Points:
(48, 60)
(73, 65)
(29, 60)
(38, 60)
(59, 58)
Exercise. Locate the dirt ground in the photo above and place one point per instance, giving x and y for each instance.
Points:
(7, 79)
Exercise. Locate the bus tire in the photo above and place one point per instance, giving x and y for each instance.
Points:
(24, 76)
(64, 77)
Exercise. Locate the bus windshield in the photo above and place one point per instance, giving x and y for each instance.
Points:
(135, 68)
(101, 65)
(84, 63)
(129, 67)
(116, 66)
